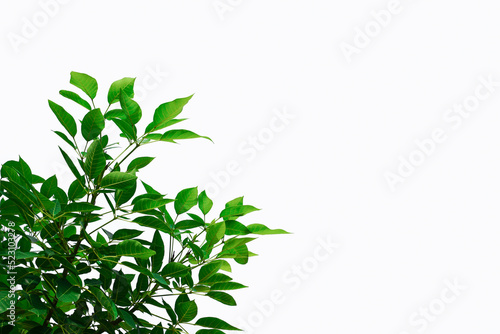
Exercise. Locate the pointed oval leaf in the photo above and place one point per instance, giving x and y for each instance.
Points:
(185, 200)
(222, 297)
(186, 311)
(85, 82)
(173, 135)
(205, 204)
(133, 248)
(166, 112)
(95, 160)
(75, 98)
(92, 124)
(131, 108)
(212, 322)
(64, 118)
(139, 163)
(118, 180)
(125, 84)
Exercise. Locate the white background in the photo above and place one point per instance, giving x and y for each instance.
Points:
(323, 175)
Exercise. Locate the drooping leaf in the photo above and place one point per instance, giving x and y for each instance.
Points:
(126, 85)
(130, 108)
(75, 98)
(65, 138)
(64, 118)
(85, 82)
(129, 130)
(212, 322)
(118, 180)
(70, 164)
(185, 200)
(222, 297)
(159, 247)
(133, 248)
(92, 124)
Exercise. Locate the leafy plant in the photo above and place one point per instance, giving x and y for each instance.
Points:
(78, 276)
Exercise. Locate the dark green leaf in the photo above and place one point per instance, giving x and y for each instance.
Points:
(66, 292)
(70, 164)
(49, 186)
(159, 247)
(228, 286)
(175, 269)
(208, 270)
(133, 248)
(188, 224)
(118, 180)
(216, 323)
(222, 297)
(75, 98)
(92, 124)
(125, 234)
(209, 331)
(95, 160)
(81, 207)
(186, 311)
(65, 138)
(64, 118)
(105, 301)
(85, 82)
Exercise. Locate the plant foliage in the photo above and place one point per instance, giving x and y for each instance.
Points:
(77, 259)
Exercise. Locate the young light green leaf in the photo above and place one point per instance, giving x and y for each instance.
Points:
(75, 98)
(237, 211)
(185, 200)
(264, 230)
(118, 180)
(166, 112)
(126, 85)
(64, 118)
(139, 163)
(236, 228)
(92, 124)
(205, 204)
(133, 248)
(85, 82)
(173, 135)
(215, 232)
(150, 204)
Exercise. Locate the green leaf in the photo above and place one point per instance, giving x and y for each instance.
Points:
(222, 297)
(118, 180)
(64, 118)
(49, 186)
(228, 286)
(188, 224)
(166, 112)
(105, 301)
(65, 138)
(75, 98)
(70, 164)
(235, 202)
(95, 160)
(173, 135)
(264, 230)
(175, 269)
(216, 323)
(139, 163)
(66, 292)
(186, 311)
(130, 108)
(127, 317)
(92, 124)
(209, 331)
(154, 223)
(185, 200)
(208, 270)
(237, 211)
(205, 204)
(81, 207)
(159, 247)
(215, 232)
(125, 234)
(76, 190)
(150, 204)
(236, 228)
(123, 196)
(133, 248)
(235, 242)
(85, 82)
(240, 254)
(127, 129)
(125, 84)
